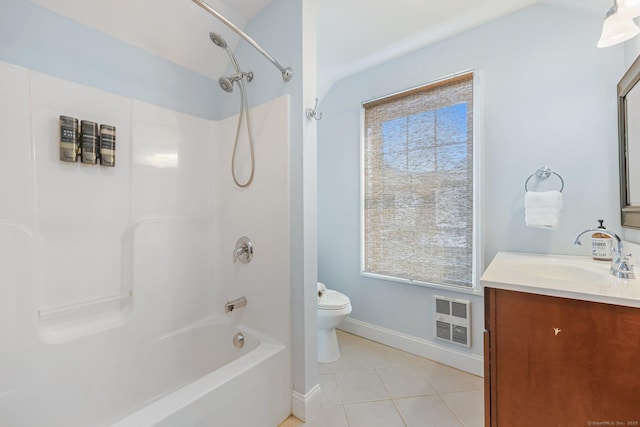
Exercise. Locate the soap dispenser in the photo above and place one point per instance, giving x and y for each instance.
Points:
(601, 245)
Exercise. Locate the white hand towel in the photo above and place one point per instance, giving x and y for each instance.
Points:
(542, 209)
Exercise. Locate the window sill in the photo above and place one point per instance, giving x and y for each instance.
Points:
(469, 290)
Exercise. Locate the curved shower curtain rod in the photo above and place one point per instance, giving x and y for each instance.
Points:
(287, 73)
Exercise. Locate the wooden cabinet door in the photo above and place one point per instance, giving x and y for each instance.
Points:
(562, 362)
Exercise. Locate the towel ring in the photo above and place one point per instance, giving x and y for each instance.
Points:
(543, 173)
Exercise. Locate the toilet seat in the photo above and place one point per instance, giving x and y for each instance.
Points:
(333, 300)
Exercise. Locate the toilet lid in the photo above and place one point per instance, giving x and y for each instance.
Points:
(333, 300)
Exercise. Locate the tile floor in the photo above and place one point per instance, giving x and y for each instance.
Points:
(374, 385)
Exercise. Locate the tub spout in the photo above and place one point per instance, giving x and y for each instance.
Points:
(236, 303)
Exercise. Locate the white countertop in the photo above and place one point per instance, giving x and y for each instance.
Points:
(575, 277)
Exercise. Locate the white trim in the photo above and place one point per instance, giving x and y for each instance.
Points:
(420, 86)
(472, 290)
(471, 363)
(478, 178)
(362, 164)
(306, 407)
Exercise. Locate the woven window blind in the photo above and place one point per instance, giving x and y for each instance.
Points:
(418, 184)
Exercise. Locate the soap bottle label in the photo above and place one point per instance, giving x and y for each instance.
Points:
(69, 139)
(107, 145)
(89, 142)
(602, 248)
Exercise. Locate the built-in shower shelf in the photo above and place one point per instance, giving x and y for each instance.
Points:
(64, 323)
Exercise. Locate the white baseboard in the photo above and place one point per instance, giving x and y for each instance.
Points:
(471, 363)
(306, 406)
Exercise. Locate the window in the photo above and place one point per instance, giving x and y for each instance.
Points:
(417, 189)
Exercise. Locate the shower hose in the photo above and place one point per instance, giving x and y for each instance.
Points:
(244, 111)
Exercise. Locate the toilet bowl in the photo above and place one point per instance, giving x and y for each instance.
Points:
(333, 309)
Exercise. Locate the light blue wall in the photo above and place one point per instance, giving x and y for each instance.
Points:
(39, 39)
(548, 99)
(278, 30)
(632, 50)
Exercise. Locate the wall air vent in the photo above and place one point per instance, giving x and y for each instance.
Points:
(453, 320)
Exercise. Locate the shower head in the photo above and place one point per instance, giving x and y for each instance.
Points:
(226, 84)
(218, 40)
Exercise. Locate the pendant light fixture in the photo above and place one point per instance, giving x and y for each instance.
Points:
(630, 7)
(618, 23)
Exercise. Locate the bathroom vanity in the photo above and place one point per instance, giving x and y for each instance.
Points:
(561, 343)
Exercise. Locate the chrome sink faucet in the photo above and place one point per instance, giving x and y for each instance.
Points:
(620, 266)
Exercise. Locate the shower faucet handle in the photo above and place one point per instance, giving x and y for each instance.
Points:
(243, 251)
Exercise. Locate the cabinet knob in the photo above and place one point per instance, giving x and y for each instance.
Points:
(557, 331)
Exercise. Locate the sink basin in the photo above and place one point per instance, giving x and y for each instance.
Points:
(551, 269)
(577, 277)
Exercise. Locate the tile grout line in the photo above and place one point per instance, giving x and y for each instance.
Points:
(346, 417)
(391, 398)
(455, 414)
(361, 344)
(451, 409)
(424, 377)
(406, 423)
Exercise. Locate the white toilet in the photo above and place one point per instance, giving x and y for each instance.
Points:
(333, 309)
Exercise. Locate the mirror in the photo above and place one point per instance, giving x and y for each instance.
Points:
(629, 145)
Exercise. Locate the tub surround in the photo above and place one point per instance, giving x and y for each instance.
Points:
(112, 277)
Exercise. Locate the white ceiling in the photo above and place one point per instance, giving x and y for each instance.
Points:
(352, 34)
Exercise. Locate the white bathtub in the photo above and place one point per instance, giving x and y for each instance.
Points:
(246, 387)
(188, 378)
